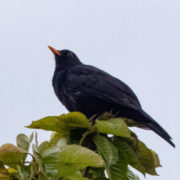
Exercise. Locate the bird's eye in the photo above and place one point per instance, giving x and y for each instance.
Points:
(70, 55)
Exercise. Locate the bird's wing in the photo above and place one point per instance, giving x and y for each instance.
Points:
(92, 82)
(99, 84)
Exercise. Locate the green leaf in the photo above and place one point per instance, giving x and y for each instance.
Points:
(55, 159)
(118, 171)
(48, 154)
(76, 154)
(61, 123)
(23, 172)
(74, 120)
(11, 154)
(4, 177)
(155, 158)
(50, 123)
(97, 172)
(4, 174)
(147, 159)
(73, 158)
(139, 157)
(24, 142)
(34, 169)
(55, 137)
(107, 150)
(75, 177)
(130, 155)
(41, 161)
(38, 159)
(12, 171)
(3, 170)
(46, 148)
(50, 161)
(116, 163)
(131, 175)
(115, 126)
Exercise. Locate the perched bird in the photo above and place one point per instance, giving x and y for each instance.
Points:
(92, 91)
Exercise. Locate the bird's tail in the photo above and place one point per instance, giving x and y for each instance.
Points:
(154, 126)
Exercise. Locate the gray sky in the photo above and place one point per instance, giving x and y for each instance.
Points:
(136, 41)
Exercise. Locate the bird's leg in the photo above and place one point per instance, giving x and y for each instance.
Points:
(92, 118)
(108, 115)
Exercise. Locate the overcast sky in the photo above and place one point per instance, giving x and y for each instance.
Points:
(137, 41)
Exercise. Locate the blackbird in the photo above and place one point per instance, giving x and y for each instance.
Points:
(89, 90)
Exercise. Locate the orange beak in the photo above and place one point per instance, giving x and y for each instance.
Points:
(55, 52)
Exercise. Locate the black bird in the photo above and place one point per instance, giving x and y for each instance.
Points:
(92, 91)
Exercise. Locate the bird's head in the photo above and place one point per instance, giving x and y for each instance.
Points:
(64, 58)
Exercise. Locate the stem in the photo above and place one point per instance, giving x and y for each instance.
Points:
(36, 139)
(84, 137)
(92, 130)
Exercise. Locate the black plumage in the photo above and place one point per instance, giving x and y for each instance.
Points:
(92, 91)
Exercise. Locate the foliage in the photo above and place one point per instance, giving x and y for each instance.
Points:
(78, 150)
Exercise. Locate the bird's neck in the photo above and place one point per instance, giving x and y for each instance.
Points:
(66, 65)
(60, 69)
